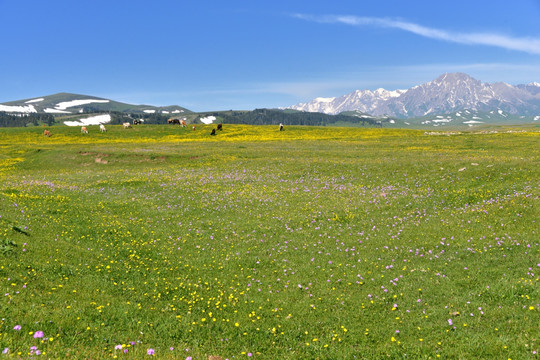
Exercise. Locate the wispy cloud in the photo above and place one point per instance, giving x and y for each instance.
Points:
(524, 44)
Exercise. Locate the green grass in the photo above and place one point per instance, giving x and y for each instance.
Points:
(328, 243)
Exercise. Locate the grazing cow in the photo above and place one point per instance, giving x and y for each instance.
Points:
(220, 126)
(213, 132)
(47, 133)
(137, 122)
(102, 128)
(193, 128)
(281, 127)
(84, 130)
(173, 121)
(126, 125)
(183, 123)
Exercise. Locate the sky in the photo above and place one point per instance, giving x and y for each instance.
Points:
(209, 55)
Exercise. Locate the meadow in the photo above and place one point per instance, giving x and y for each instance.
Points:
(311, 243)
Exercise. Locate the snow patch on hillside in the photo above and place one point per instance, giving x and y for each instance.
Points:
(56, 111)
(473, 122)
(66, 104)
(35, 100)
(386, 94)
(20, 109)
(442, 120)
(93, 120)
(324, 100)
(149, 111)
(208, 120)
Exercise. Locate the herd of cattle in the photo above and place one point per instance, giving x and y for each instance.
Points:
(127, 125)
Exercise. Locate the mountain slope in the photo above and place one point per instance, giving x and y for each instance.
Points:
(288, 117)
(468, 118)
(66, 103)
(448, 93)
(362, 100)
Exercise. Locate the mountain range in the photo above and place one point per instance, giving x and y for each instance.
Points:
(452, 100)
(449, 93)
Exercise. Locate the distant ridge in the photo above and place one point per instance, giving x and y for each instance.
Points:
(451, 101)
(450, 92)
(68, 103)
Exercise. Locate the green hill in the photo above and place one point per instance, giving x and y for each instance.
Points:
(67, 103)
(286, 117)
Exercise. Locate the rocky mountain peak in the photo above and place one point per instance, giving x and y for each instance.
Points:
(447, 93)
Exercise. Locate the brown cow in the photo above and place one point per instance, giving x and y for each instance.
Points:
(47, 133)
(173, 121)
(183, 123)
(84, 130)
(220, 126)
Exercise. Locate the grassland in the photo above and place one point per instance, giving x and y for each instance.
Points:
(312, 243)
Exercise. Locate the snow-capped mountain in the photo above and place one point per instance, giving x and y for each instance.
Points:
(533, 88)
(450, 92)
(365, 101)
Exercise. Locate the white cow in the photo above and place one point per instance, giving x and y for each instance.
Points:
(102, 128)
(126, 125)
(84, 130)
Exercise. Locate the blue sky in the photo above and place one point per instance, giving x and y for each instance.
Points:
(216, 55)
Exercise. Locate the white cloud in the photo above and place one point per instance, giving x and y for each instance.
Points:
(524, 44)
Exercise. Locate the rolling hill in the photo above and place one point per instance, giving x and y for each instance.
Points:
(67, 103)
